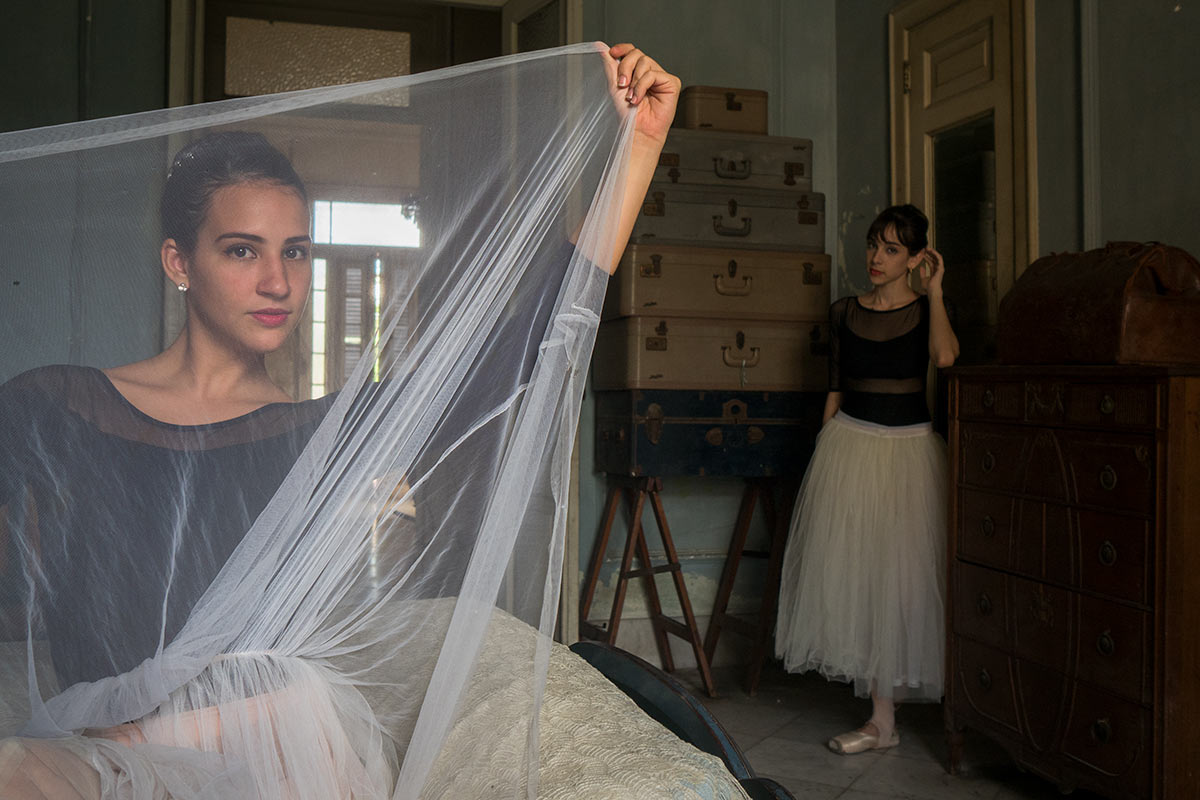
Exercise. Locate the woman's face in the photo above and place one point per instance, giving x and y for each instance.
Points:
(887, 259)
(249, 274)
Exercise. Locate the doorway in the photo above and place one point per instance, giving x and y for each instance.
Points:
(962, 148)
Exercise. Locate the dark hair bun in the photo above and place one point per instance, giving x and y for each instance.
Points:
(912, 227)
(214, 162)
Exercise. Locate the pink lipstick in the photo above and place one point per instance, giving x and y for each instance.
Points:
(271, 317)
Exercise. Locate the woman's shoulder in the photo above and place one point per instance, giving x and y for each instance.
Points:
(56, 382)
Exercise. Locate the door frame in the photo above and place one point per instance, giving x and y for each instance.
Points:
(1023, 114)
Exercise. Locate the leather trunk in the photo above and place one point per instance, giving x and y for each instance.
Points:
(695, 353)
(715, 216)
(1125, 303)
(710, 158)
(718, 108)
(746, 434)
(720, 283)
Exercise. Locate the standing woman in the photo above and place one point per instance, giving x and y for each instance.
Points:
(863, 574)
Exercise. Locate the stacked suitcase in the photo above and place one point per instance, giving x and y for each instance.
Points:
(712, 356)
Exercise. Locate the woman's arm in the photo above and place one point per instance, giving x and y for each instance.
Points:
(833, 401)
(943, 344)
(641, 82)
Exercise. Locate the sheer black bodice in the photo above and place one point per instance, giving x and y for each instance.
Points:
(879, 360)
(181, 495)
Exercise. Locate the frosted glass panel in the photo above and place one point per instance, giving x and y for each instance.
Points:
(263, 57)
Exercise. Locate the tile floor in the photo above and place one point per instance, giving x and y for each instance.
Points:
(783, 729)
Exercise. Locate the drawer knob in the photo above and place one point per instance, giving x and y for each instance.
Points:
(989, 398)
(985, 679)
(984, 604)
(1102, 730)
(988, 526)
(1107, 404)
(1108, 478)
(1105, 645)
(1107, 554)
(989, 461)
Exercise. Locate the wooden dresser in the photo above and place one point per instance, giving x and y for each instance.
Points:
(1073, 614)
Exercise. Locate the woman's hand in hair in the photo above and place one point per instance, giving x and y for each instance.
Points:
(932, 272)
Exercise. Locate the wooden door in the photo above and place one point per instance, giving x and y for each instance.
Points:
(960, 148)
(527, 25)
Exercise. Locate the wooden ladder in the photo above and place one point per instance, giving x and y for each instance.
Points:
(637, 490)
(759, 630)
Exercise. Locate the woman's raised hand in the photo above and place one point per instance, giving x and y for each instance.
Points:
(933, 271)
(644, 83)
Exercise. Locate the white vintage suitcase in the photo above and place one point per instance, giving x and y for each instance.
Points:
(728, 217)
(693, 353)
(720, 108)
(736, 159)
(721, 283)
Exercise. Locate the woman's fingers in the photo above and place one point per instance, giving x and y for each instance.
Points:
(627, 57)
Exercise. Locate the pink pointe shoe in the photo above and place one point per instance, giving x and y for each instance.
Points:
(861, 740)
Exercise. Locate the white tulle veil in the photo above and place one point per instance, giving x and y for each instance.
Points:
(301, 602)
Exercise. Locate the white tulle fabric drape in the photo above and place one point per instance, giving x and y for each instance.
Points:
(331, 654)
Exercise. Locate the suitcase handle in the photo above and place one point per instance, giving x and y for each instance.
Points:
(732, 360)
(733, 170)
(732, 290)
(721, 230)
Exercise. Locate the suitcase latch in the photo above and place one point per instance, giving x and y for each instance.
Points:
(654, 423)
(790, 170)
(653, 269)
(811, 276)
(656, 207)
(731, 103)
(803, 215)
(734, 412)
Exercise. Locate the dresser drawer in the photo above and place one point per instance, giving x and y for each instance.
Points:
(1098, 641)
(1113, 471)
(983, 679)
(1112, 737)
(998, 458)
(1115, 555)
(991, 399)
(1109, 405)
(985, 527)
(1106, 470)
(979, 600)
(1114, 648)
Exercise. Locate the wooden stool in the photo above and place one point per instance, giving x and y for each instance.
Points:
(637, 490)
(759, 630)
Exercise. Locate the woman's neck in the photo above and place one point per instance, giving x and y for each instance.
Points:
(191, 384)
(889, 295)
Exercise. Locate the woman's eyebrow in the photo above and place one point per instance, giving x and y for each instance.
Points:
(255, 238)
(237, 235)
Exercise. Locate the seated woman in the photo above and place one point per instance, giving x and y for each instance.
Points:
(197, 609)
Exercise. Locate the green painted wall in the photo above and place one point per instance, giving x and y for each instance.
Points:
(786, 47)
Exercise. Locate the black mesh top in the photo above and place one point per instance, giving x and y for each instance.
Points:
(879, 360)
(77, 462)
(137, 516)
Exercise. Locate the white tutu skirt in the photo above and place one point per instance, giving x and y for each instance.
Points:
(863, 583)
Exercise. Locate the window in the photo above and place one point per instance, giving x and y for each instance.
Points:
(364, 253)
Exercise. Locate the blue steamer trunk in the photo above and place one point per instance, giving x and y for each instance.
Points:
(666, 432)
